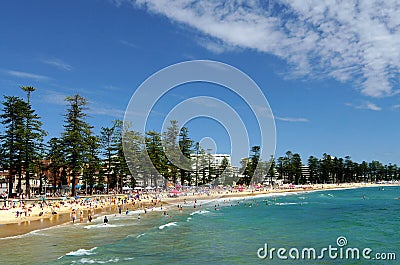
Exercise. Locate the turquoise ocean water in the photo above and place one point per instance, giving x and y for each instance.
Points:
(233, 234)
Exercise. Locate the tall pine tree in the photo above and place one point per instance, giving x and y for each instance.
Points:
(76, 130)
(14, 109)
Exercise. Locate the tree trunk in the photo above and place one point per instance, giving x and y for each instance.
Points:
(73, 190)
(10, 182)
(27, 185)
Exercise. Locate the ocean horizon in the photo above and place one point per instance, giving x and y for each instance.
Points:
(345, 226)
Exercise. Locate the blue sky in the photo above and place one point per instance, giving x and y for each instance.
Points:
(330, 72)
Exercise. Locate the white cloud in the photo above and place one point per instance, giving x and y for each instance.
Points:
(215, 46)
(127, 43)
(107, 111)
(365, 105)
(57, 98)
(58, 63)
(206, 102)
(54, 97)
(27, 75)
(349, 40)
(396, 106)
(99, 108)
(291, 119)
(113, 88)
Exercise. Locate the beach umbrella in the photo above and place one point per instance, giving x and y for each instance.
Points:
(175, 191)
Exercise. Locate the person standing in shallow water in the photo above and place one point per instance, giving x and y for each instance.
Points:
(73, 216)
(105, 220)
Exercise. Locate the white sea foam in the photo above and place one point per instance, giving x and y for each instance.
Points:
(286, 203)
(36, 233)
(140, 235)
(94, 261)
(188, 219)
(82, 252)
(200, 212)
(101, 226)
(167, 225)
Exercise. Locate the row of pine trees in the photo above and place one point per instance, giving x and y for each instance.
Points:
(77, 153)
(118, 156)
(331, 169)
(80, 156)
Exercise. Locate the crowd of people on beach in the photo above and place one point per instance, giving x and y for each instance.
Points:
(83, 209)
(18, 210)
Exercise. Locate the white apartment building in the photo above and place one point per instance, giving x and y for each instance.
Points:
(213, 159)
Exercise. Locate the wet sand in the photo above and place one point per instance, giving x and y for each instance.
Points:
(17, 227)
(24, 227)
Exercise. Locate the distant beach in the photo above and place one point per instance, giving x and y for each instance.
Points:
(39, 214)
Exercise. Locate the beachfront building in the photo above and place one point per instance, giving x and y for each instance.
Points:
(212, 168)
(305, 173)
(38, 180)
(144, 182)
(3, 180)
(212, 159)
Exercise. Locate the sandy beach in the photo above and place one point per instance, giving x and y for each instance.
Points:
(19, 217)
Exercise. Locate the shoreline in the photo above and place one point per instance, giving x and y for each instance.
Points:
(17, 227)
